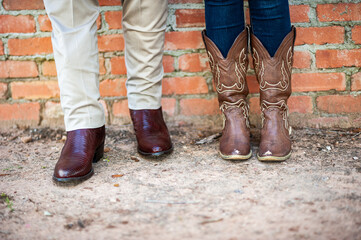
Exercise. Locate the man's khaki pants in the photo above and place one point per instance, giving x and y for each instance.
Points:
(75, 46)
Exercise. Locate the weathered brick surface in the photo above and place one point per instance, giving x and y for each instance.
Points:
(326, 80)
(44, 23)
(23, 5)
(34, 90)
(30, 46)
(17, 24)
(3, 90)
(25, 113)
(190, 17)
(339, 103)
(18, 69)
(1, 48)
(338, 58)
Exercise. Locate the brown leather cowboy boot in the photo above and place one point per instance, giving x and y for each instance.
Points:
(274, 77)
(229, 75)
(81, 148)
(151, 132)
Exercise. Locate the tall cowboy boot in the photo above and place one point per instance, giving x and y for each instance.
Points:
(151, 132)
(229, 75)
(274, 77)
(82, 147)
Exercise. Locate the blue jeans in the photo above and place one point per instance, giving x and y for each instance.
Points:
(270, 21)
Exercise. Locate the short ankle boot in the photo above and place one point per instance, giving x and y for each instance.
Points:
(229, 76)
(151, 132)
(82, 148)
(274, 77)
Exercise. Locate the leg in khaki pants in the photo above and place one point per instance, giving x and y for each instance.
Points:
(75, 48)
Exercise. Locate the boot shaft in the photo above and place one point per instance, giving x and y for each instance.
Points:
(274, 73)
(229, 74)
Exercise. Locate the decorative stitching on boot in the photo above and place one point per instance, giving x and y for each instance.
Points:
(240, 70)
(281, 106)
(286, 73)
(241, 104)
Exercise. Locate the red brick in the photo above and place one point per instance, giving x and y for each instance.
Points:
(118, 65)
(339, 12)
(49, 68)
(299, 104)
(299, 13)
(312, 82)
(34, 90)
(3, 90)
(183, 40)
(20, 111)
(193, 62)
(168, 106)
(199, 106)
(320, 35)
(102, 69)
(301, 59)
(1, 48)
(254, 107)
(120, 108)
(356, 82)
(356, 34)
(99, 22)
(113, 87)
(339, 103)
(30, 46)
(53, 115)
(109, 43)
(109, 2)
(18, 69)
(44, 23)
(114, 19)
(184, 85)
(168, 64)
(329, 122)
(338, 58)
(184, 1)
(17, 24)
(23, 5)
(190, 18)
(252, 84)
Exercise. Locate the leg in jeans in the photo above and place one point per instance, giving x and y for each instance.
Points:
(224, 22)
(272, 42)
(144, 24)
(270, 21)
(76, 56)
(226, 44)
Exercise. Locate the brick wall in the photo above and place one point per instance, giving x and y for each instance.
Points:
(326, 79)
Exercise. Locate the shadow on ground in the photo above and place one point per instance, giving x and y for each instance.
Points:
(192, 194)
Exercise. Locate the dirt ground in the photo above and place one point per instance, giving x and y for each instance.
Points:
(191, 194)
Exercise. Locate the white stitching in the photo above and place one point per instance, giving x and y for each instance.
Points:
(241, 104)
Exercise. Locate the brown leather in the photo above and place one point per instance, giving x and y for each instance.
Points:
(151, 132)
(229, 76)
(274, 77)
(81, 148)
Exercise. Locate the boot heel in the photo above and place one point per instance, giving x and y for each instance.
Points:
(99, 153)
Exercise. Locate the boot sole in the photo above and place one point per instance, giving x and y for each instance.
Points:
(273, 158)
(236, 157)
(99, 153)
(157, 154)
(73, 180)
